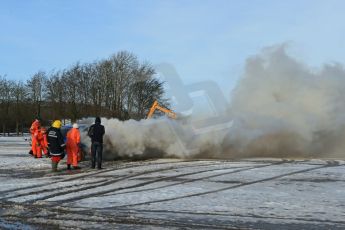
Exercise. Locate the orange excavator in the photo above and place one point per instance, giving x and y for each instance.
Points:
(156, 106)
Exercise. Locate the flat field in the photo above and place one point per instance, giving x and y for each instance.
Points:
(170, 193)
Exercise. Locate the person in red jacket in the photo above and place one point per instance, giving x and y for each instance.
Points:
(37, 143)
(34, 126)
(72, 147)
(33, 130)
(44, 142)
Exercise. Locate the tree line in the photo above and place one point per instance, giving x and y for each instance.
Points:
(119, 87)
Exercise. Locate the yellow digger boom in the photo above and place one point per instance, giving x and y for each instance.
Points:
(156, 106)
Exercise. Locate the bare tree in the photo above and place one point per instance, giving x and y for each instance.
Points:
(6, 96)
(19, 94)
(125, 65)
(36, 89)
(70, 79)
(56, 96)
(119, 86)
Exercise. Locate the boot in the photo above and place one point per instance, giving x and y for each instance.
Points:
(76, 167)
(68, 167)
(54, 166)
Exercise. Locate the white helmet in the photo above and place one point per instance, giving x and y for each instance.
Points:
(75, 125)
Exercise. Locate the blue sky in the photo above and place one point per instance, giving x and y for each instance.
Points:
(203, 39)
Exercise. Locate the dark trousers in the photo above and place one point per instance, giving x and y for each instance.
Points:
(96, 154)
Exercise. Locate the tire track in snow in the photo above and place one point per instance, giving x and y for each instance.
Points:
(36, 214)
(193, 180)
(188, 180)
(6, 198)
(237, 215)
(112, 181)
(99, 193)
(229, 187)
(84, 175)
(60, 220)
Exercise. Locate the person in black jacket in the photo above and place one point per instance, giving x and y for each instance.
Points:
(96, 132)
(56, 144)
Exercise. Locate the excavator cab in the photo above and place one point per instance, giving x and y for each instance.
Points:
(156, 106)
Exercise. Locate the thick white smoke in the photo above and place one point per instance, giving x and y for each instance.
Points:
(280, 107)
(153, 138)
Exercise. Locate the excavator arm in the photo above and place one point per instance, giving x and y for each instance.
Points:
(156, 106)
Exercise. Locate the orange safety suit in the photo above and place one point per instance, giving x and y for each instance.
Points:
(44, 141)
(38, 137)
(33, 130)
(72, 146)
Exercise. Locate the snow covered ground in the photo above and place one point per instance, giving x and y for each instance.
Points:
(170, 193)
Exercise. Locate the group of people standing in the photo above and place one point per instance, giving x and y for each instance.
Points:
(39, 141)
(52, 143)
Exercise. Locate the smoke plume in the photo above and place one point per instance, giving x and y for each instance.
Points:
(280, 108)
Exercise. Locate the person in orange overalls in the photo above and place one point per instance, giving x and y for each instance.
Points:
(37, 141)
(35, 124)
(44, 142)
(33, 130)
(72, 147)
